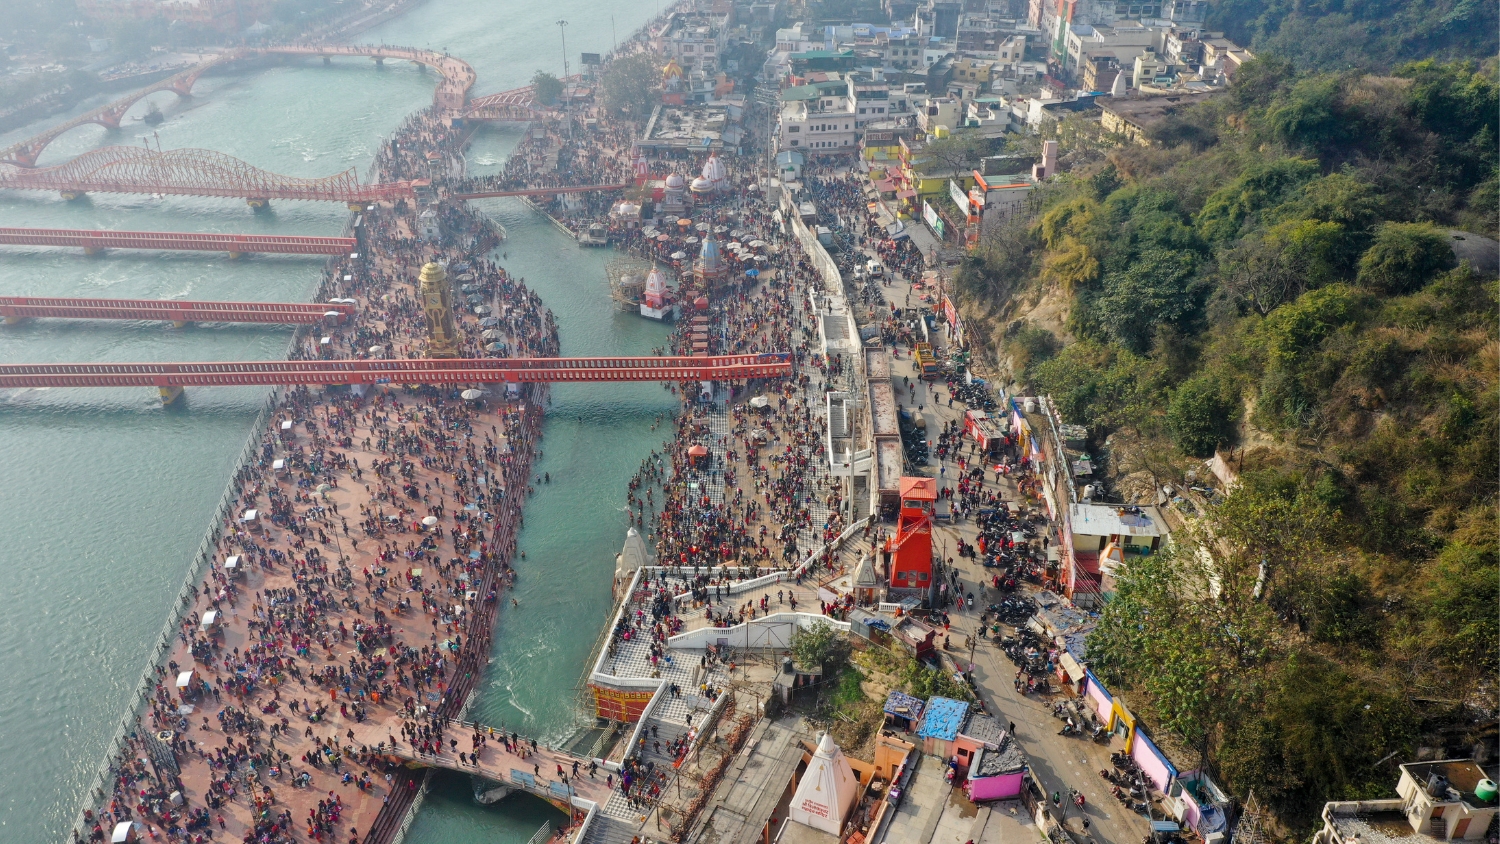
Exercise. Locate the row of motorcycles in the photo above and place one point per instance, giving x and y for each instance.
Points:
(976, 395)
(1025, 649)
(1126, 782)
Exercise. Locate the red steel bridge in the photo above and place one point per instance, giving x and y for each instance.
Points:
(91, 240)
(16, 308)
(170, 378)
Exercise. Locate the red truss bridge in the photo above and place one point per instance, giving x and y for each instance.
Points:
(91, 240)
(170, 378)
(180, 313)
(191, 172)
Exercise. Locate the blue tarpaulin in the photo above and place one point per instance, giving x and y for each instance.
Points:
(944, 718)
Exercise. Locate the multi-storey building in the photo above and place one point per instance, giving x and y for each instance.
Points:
(694, 39)
(818, 118)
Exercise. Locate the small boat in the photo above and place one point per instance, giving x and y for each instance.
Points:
(153, 115)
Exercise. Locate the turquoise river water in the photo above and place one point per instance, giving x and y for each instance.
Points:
(104, 494)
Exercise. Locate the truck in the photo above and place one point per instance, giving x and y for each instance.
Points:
(926, 361)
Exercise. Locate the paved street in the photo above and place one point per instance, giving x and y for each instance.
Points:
(1060, 762)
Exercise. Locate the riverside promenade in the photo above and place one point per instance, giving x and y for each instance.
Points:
(357, 572)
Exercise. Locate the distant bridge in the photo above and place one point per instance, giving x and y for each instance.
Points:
(450, 97)
(92, 240)
(192, 172)
(179, 313)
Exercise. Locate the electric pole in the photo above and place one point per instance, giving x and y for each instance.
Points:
(562, 31)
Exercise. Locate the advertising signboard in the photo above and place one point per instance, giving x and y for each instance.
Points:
(960, 198)
(930, 215)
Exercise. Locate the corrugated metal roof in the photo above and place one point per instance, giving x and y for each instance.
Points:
(1112, 520)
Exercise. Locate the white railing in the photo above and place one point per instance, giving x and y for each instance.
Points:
(837, 543)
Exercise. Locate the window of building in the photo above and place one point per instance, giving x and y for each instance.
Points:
(794, 129)
(794, 140)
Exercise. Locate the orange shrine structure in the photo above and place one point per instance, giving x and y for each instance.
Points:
(908, 556)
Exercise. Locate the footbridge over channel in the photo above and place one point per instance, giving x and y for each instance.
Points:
(170, 378)
(546, 773)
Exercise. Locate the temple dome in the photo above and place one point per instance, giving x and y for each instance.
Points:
(716, 173)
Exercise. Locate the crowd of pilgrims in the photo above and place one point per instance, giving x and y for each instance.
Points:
(359, 608)
(426, 452)
(560, 152)
(764, 461)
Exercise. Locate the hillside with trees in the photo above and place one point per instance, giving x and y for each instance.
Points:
(1276, 279)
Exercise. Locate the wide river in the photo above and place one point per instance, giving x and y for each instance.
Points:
(105, 495)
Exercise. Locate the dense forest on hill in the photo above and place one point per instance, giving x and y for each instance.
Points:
(1274, 278)
(1372, 35)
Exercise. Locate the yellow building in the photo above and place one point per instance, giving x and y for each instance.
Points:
(975, 71)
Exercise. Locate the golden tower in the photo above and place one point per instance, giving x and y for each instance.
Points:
(437, 303)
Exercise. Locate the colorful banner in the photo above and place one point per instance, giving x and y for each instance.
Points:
(618, 705)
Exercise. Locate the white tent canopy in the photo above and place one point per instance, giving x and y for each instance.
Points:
(827, 790)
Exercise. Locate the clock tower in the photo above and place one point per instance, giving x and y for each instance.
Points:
(437, 303)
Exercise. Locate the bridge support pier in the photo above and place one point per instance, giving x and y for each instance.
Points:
(169, 394)
(379, 61)
(92, 250)
(258, 202)
(235, 256)
(13, 320)
(327, 60)
(71, 195)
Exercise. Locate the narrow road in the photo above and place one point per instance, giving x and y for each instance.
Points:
(1061, 763)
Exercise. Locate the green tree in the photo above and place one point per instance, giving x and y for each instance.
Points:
(629, 84)
(820, 645)
(1156, 290)
(959, 152)
(546, 87)
(1456, 605)
(1200, 417)
(1404, 257)
(1259, 187)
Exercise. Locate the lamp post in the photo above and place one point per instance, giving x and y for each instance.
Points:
(562, 31)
